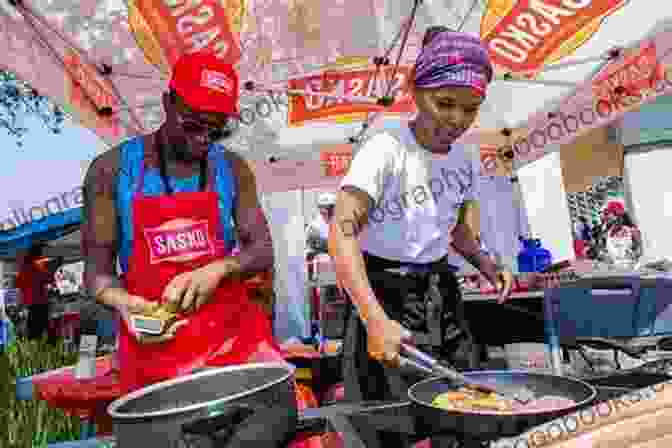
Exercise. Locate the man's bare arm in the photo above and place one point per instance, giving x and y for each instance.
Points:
(99, 230)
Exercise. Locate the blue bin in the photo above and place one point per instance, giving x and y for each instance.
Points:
(655, 314)
(606, 311)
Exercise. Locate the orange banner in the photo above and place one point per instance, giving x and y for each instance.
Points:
(306, 109)
(335, 163)
(173, 28)
(525, 35)
(640, 70)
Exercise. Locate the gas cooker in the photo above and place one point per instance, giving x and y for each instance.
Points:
(355, 422)
(352, 420)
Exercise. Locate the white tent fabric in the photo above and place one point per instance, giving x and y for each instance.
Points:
(544, 195)
(651, 199)
(285, 213)
(108, 60)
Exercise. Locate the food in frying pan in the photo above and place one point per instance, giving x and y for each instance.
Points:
(467, 399)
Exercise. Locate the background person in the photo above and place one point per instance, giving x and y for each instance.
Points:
(36, 273)
(317, 233)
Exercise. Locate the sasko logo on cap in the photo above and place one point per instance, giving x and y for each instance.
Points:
(217, 81)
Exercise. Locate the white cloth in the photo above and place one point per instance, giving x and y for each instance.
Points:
(620, 246)
(318, 227)
(417, 195)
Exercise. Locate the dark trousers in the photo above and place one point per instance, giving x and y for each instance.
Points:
(403, 297)
(38, 320)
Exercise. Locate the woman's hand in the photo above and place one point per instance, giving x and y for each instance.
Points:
(504, 285)
(188, 291)
(384, 340)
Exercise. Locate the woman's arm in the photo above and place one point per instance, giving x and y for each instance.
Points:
(351, 217)
(466, 244)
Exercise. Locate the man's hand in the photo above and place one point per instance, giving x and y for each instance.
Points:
(504, 285)
(187, 292)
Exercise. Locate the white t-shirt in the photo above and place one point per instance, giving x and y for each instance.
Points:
(417, 194)
(318, 227)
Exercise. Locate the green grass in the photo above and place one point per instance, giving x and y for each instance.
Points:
(32, 424)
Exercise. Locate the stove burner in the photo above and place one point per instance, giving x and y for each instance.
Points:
(396, 417)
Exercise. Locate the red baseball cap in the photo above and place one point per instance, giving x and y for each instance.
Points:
(206, 83)
(615, 208)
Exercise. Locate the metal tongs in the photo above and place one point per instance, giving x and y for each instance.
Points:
(420, 361)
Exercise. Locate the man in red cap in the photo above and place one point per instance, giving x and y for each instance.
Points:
(167, 207)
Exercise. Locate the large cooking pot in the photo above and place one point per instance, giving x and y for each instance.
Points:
(157, 415)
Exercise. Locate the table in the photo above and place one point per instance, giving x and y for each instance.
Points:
(28, 388)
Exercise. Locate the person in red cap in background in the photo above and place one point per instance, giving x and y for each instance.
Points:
(621, 238)
(168, 205)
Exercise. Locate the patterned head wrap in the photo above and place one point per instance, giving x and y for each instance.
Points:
(452, 59)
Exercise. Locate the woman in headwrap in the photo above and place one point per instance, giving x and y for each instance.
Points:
(410, 194)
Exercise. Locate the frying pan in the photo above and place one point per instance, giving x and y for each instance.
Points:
(491, 425)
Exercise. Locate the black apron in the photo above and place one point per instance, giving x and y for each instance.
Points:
(440, 329)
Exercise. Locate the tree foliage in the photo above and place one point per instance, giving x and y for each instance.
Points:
(19, 100)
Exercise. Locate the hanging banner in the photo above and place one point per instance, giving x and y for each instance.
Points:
(166, 29)
(289, 175)
(336, 163)
(363, 82)
(525, 35)
(638, 76)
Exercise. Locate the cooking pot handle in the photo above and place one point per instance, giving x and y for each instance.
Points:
(268, 427)
(229, 417)
(609, 344)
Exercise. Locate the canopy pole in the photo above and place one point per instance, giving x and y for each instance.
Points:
(104, 70)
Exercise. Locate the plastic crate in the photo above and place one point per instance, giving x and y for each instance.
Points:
(597, 309)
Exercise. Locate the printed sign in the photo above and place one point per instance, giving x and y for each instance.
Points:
(179, 240)
(336, 164)
(622, 86)
(165, 29)
(524, 35)
(364, 82)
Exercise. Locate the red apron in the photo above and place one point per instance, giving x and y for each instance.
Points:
(173, 234)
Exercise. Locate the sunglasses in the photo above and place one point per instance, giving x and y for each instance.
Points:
(196, 127)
